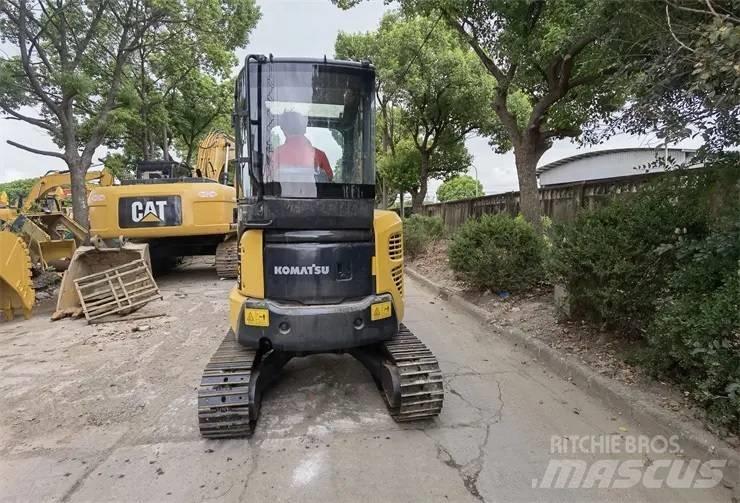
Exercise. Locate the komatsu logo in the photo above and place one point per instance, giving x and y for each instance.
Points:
(301, 270)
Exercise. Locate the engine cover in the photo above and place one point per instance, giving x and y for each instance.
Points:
(318, 272)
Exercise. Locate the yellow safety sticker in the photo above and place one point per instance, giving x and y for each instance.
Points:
(257, 317)
(380, 311)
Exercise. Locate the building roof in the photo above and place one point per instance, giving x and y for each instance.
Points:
(597, 153)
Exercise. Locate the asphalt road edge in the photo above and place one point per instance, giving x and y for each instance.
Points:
(695, 441)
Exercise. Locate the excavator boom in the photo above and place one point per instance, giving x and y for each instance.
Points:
(56, 179)
(214, 154)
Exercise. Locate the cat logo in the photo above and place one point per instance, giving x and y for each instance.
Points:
(151, 211)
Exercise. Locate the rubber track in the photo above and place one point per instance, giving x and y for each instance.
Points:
(223, 396)
(227, 259)
(422, 390)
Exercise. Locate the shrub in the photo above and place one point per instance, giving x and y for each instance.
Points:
(497, 252)
(695, 334)
(419, 231)
(664, 264)
(610, 261)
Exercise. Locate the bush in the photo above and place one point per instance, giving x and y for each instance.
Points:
(609, 259)
(419, 231)
(497, 252)
(664, 264)
(695, 334)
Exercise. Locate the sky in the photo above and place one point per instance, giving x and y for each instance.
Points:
(303, 28)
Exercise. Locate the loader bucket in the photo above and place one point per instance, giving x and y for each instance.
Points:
(16, 288)
(90, 260)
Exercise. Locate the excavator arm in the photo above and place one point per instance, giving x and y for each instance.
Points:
(214, 154)
(53, 180)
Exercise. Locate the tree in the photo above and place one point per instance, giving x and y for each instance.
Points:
(563, 56)
(180, 82)
(70, 69)
(401, 169)
(686, 61)
(76, 59)
(17, 189)
(460, 187)
(436, 85)
(200, 104)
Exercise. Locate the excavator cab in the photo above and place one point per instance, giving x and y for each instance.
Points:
(157, 170)
(319, 269)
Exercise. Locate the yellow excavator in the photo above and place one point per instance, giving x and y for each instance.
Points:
(37, 231)
(319, 270)
(178, 211)
(46, 194)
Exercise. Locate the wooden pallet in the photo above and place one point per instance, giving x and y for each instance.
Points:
(119, 290)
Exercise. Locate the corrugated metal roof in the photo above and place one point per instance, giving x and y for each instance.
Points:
(597, 153)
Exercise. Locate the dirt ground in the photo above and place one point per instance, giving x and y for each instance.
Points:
(107, 412)
(534, 313)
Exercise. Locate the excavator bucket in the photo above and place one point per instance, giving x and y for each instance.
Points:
(89, 260)
(16, 288)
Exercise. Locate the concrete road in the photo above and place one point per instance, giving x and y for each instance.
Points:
(101, 413)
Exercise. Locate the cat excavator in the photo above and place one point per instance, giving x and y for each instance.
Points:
(320, 271)
(177, 210)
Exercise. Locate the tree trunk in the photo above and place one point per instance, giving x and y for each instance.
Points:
(417, 198)
(77, 171)
(526, 156)
(165, 144)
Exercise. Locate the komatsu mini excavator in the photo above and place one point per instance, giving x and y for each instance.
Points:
(319, 270)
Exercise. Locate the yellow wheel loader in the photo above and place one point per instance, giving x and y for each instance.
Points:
(177, 211)
(319, 270)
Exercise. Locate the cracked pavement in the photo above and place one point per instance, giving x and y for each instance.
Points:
(99, 413)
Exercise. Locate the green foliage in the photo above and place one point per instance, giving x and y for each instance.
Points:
(17, 188)
(497, 252)
(432, 92)
(400, 169)
(524, 46)
(664, 265)
(695, 333)
(198, 105)
(685, 63)
(419, 232)
(608, 258)
(460, 187)
(181, 88)
(120, 166)
(556, 69)
(102, 72)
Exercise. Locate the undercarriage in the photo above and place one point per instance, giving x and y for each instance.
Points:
(235, 379)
